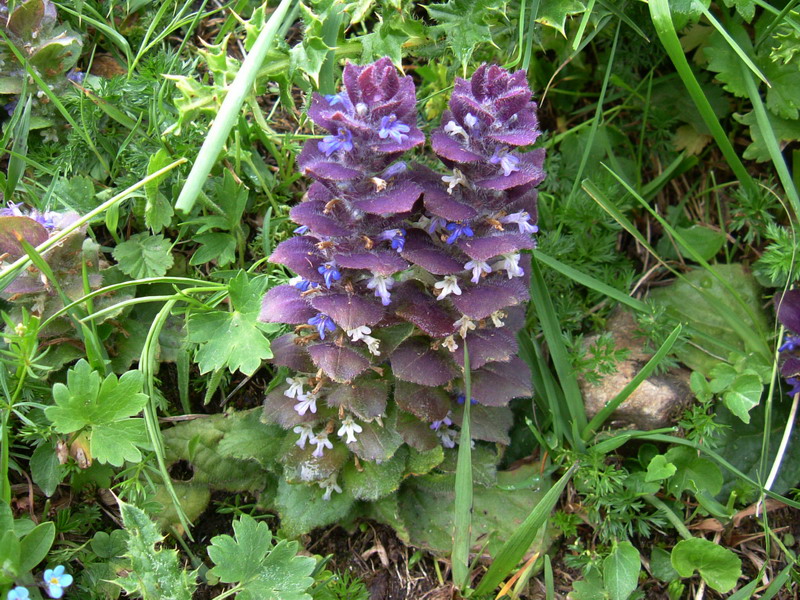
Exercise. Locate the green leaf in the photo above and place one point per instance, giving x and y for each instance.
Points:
(554, 13)
(234, 340)
(785, 130)
(144, 255)
(214, 246)
(705, 241)
(302, 508)
(621, 571)
(700, 387)
(87, 399)
(114, 443)
(661, 565)
(158, 210)
(265, 572)
(719, 567)
(35, 546)
(111, 545)
(659, 469)
(743, 395)
(692, 472)
(46, 471)
(9, 557)
(464, 24)
(239, 559)
(372, 481)
(155, 574)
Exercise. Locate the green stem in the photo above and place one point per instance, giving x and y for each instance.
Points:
(671, 516)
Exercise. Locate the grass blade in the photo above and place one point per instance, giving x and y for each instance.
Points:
(229, 111)
(634, 383)
(662, 20)
(462, 517)
(542, 303)
(519, 542)
(735, 47)
(19, 148)
(591, 282)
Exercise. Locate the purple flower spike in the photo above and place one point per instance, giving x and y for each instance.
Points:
(391, 127)
(323, 323)
(343, 140)
(330, 273)
(457, 230)
(396, 236)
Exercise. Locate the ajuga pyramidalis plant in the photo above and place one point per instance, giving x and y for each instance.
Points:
(398, 266)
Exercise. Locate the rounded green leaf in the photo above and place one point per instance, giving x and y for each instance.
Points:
(719, 567)
(621, 571)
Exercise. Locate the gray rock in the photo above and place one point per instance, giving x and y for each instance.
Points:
(656, 403)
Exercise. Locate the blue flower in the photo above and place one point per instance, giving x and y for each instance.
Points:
(343, 140)
(323, 323)
(333, 99)
(330, 273)
(55, 580)
(437, 424)
(795, 383)
(790, 343)
(391, 127)
(396, 236)
(457, 230)
(508, 162)
(435, 224)
(301, 230)
(18, 593)
(396, 169)
(76, 76)
(462, 397)
(304, 285)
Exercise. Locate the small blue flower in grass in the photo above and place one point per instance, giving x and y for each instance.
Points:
(55, 580)
(790, 343)
(18, 593)
(391, 127)
(330, 273)
(462, 397)
(343, 140)
(323, 323)
(508, 162)
(457, 230)
(396, 236)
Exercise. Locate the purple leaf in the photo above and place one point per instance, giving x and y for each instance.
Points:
(788, 308)
(487, 423)
(284, 304)
(340, 363)
(366, 397)
(311, 214)
(285, 353)
(279, 409)
(420, 251)
(484, 248)
(427, 403)
(415, 361)
(300, 254)
(440, 203)
(416, 433)
(313, 162)
(490, 344)
(12, 229)
(348, 311)
(382, 262)
(480, 301)
(791, 368)
(415, 306)
(452, 148)
(399, 198)
(495, 384)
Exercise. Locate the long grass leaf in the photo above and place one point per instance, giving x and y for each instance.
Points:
(633, 384)
(228, 113)
(462, 518)
(662, 20)
(19, 148)
(545, 310)
(591, 282)
(517, 545)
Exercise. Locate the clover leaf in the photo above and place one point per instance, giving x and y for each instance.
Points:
(103, 409)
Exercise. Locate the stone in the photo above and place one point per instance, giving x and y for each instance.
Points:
(657, 402)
